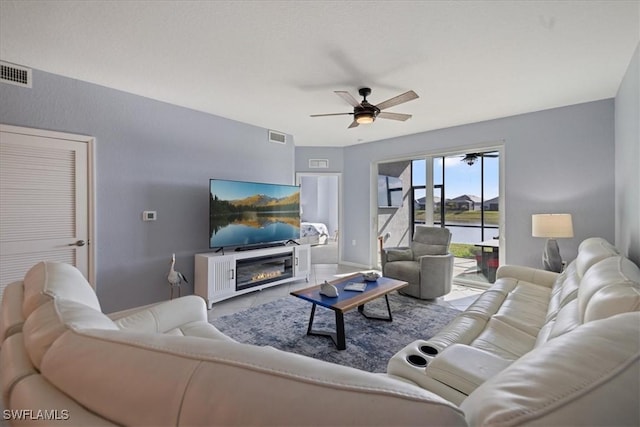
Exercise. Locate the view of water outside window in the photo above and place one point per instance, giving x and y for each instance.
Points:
(469, 185)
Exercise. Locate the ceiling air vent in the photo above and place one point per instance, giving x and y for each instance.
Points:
(318, 163)
(15, 74)
(277, 137)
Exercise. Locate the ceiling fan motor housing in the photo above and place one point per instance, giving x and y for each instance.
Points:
(365, 109)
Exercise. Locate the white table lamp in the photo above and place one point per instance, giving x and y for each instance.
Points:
(552, 226)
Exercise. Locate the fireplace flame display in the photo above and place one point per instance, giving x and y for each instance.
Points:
(265, 275)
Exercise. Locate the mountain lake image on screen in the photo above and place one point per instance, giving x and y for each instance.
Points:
(252, 213)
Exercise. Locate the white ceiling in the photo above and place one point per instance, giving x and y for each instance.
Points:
(273, 63)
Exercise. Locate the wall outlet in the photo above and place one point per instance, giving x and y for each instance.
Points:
(353, 242)
(149, 215)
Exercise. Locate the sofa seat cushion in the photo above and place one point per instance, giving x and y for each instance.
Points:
(504, 340)
(462, 329)
(529, 290)
(523, 311)
(487, 304)
(409, 271)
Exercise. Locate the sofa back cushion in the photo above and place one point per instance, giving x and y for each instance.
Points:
(610, 287)
(430, 241)
(565, 289)
(48, 280)
(591, 251)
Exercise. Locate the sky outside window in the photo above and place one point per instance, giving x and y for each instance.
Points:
(460, 177)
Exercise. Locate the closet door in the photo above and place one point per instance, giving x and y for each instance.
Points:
(44, 200)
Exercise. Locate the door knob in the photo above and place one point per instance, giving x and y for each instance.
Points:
(78, 243)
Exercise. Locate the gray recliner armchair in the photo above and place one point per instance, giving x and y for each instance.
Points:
(427, 265)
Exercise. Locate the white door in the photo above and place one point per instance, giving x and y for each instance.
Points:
(44, 201)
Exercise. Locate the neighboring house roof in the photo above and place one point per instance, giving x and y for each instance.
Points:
(494, 200)
(423, 200)
(466, 197)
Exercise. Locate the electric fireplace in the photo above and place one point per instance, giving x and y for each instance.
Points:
(257, 271)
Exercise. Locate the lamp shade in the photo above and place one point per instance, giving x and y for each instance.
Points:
(552, 226)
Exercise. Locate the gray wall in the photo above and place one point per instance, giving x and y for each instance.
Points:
(557, 161)
(395, 221)
(149, 156)
(627, 161)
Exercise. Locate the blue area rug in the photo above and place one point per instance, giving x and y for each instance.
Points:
(370, 343)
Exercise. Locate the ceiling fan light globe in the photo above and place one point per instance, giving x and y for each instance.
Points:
(365, 119)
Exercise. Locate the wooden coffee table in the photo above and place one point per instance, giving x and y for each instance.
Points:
(347, 300)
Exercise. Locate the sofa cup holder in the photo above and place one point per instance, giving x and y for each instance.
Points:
(428, 350)
(417, 360)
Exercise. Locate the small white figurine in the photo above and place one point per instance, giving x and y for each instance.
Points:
(327, 289)
(175, 277)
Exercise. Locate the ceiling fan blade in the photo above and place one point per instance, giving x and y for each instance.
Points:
(331, 114)
(394, 116)
(353, 124)
(405, 97)
(347, 97)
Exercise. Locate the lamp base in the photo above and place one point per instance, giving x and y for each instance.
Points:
(551, 259)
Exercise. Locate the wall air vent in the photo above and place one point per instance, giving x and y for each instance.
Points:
(15, 74)
(318, 163)
(277, 137)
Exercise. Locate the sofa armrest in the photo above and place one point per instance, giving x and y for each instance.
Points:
(11, 318)
(465, 368)
(528, 274)
(164, 316)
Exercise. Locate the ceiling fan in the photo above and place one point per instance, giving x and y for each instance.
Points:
(364, 112)
(470, 158)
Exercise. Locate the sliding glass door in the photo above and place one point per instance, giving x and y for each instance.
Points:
(465, 199)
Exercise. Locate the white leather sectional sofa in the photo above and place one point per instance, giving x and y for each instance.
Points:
(164, 365)
(554, 349)
(65, 362)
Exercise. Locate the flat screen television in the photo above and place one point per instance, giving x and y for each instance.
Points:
(252, 213)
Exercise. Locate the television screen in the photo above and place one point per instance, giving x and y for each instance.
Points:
(251, 213)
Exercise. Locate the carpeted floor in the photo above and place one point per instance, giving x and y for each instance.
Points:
(370, 343)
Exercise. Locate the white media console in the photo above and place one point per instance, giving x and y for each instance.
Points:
(219, 276)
